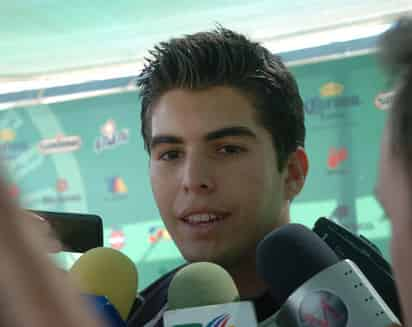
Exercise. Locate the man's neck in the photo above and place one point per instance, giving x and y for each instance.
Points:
(245, 275)
(248, 282)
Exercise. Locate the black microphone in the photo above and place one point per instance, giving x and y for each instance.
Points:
(348, 245)
(315, 287)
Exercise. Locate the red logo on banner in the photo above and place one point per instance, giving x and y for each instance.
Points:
(62, 185)
(336, 157)
(117, 239)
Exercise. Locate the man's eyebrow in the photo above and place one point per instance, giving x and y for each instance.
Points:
(230, 131)
(165, 139)
(214, 135)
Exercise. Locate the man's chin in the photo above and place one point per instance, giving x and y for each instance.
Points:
(200, 256)
(214, 258)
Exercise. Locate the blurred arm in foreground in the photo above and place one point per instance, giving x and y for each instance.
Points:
(34, 292)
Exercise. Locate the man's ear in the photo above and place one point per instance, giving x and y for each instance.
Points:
(296, 171)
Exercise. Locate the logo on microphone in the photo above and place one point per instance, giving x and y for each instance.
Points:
(321, 309)
(219, 321)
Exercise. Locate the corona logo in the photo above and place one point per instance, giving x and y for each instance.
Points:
(331, 89)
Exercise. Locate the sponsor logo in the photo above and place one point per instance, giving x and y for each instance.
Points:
(61, 185)
(62, 194)
(331, 103)
(7, 135)
(384, 100)
(158, 233)
(60, 144)
(331, 89)
(110, 137)
(336, 157)
(9, 148)
(117, 187)
(117, 239)
(322, 308)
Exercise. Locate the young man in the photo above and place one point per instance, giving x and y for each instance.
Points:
(223, 122)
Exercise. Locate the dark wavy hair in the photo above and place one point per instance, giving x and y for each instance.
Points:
(222, 57)
(396, 54)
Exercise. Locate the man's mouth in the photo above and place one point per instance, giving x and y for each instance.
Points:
(204, 218)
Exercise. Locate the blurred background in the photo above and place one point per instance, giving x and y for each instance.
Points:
(70, 126)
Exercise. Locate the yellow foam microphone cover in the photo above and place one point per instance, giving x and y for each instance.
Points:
(107, 272)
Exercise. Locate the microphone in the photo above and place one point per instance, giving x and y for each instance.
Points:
(204, 294)
(108, 279)
(316, 289)
(348, 245)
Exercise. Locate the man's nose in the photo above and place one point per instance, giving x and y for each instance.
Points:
(198, 175)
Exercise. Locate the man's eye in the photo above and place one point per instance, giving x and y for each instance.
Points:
(170, 155)
(231, 149)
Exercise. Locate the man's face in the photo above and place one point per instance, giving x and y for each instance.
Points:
(214, 174)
